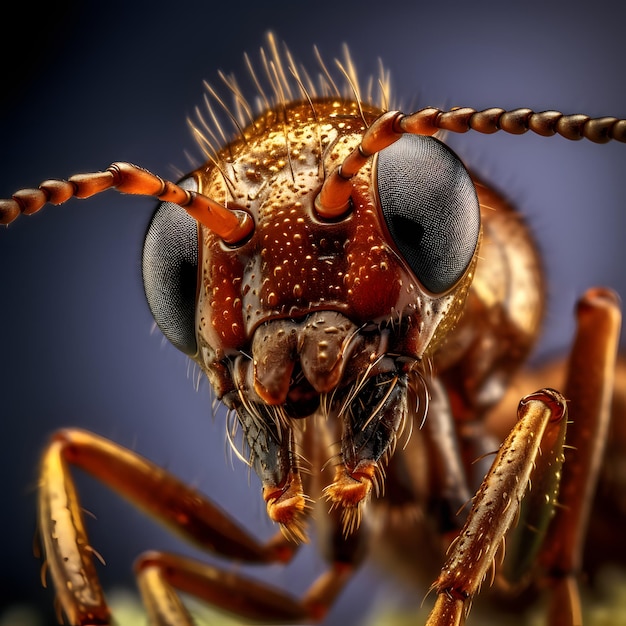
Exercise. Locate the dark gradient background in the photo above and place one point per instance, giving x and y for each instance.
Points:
(89, 84)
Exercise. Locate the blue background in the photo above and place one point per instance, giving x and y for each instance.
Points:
(89, 84)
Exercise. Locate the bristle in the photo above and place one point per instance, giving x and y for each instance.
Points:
(418, 386)
(226, 109)
(351, 73)
(257, 82)
(308, 84)
(295, 532)
(244, 114)
(218, 128)
(232, 427)
(279, 82)
(354, 88)
(384, 84)
(351, 519)
(279, 68)
(326, 74)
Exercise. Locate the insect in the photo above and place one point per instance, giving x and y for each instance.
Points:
(338, 275)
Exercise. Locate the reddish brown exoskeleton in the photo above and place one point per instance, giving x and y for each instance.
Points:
(360, 302)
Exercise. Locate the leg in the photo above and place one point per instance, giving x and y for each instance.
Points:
(159, 574)
(589, 389)
(69, 557)
(533, 443)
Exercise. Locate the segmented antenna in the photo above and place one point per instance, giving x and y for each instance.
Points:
(334, 197)
(232, 225)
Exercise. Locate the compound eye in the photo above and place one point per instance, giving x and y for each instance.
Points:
(431, 209)
(170, 271)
